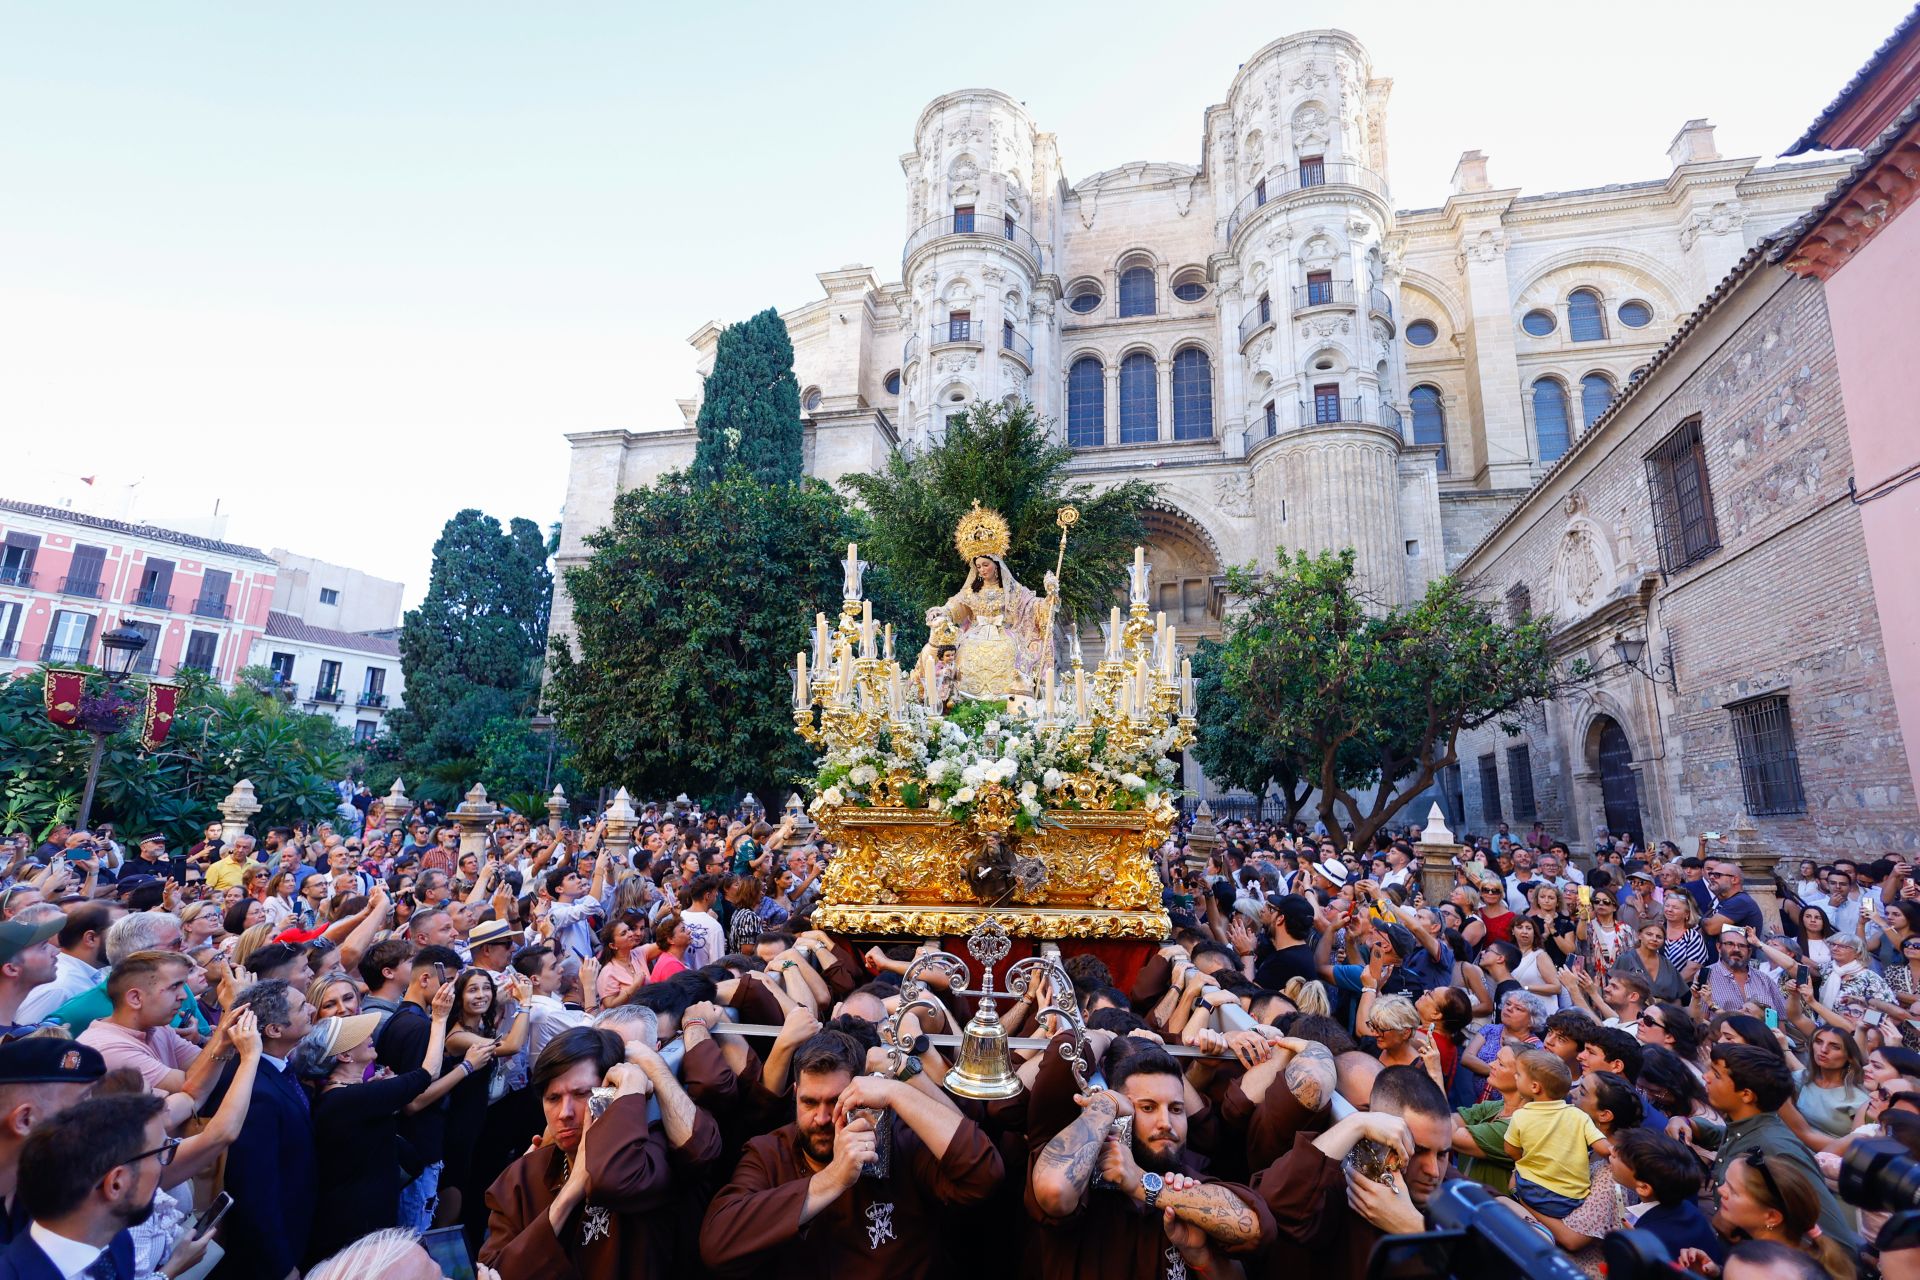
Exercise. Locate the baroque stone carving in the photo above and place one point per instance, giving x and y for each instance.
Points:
(1233, 494)
(1310, 76)
(1309, 126)
(1580, 567)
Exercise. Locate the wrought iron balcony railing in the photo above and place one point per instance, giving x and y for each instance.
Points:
(1290, 180)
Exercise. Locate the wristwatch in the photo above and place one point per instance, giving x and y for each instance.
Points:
(913, 1068)
(1151, 1184)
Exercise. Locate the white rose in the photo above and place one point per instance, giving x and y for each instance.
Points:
(863, 775)
(937, 770)
(973, 775)
(1028, 790)
(1132, 781)
(963, 796)
(832, 797)
(1032, 807)
(1052, 779)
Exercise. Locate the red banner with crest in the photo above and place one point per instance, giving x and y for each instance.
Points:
(64, 688)
(161, 700)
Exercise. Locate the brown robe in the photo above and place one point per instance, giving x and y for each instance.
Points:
(632, 1171)
(881, 1229)
(1306, 1193)
(1109, 1235)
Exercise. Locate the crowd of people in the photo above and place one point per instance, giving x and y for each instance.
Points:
(583, 1059)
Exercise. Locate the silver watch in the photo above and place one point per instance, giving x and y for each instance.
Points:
(1151, 1183)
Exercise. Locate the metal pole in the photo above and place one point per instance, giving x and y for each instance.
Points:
(547, 785)
(947, 1040)
(93, 778)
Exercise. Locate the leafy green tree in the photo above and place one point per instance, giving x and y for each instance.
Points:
(750, 406)
(1232, 747)
(472, 651)
(218, 737)
(1003, 457)
(687, 616)
(1352, 695)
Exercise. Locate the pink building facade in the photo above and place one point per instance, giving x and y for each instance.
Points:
(66, 578)
(1868, 254)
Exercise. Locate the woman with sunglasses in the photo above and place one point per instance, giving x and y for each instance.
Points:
(1686, 948)
(1493, 922)
(1903, 979)
(1671, 1027)
(1552, 916)
(1602, 936)
(1762, 1199)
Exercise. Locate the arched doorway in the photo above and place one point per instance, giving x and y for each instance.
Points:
(1189, 585)
(1619, 789)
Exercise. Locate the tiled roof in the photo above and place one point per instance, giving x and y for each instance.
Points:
(1755, 257)
(130, 530)
(1788, 239)
(1810, 140)
(284, 626)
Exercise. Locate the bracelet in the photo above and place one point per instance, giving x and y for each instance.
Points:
(695, 1022)
(468, 1066)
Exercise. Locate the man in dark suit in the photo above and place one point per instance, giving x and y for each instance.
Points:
(271, 1170)
(89, 1174)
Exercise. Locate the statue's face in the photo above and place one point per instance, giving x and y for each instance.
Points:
(989, 571)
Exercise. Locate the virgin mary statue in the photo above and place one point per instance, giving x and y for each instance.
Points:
(1005, 631)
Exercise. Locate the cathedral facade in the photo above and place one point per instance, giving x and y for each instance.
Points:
(1291, 359)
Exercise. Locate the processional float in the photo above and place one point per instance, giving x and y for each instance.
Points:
(985, 794)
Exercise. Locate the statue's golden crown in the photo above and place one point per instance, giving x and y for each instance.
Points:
(981, 533)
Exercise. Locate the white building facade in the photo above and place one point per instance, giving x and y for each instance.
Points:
(334, 596)
(1290, 359)
(356, 679)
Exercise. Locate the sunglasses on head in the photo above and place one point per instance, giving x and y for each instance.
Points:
(1757, 1161)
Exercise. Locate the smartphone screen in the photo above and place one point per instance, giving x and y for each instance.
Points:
(1773, 1018)
(448, 1249)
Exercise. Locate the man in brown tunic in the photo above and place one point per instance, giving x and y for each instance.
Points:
(593, 1199)
(1329, 1217)
(801, 1203)
(1154, 1212)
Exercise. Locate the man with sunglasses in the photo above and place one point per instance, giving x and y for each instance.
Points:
(1732, 905)
(88, 1175)
(1748, 1086)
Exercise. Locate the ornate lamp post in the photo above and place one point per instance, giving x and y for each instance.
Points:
(122, 647)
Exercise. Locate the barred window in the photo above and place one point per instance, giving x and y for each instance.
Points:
(1682, 501)
(1192, 395)
(1550, 418)
(1769, 765)
(1273, 420)
(1519, 602)
(1490, 788)
(1086, 403)
(1429, 420)
(1520, 778)
(1139, 400)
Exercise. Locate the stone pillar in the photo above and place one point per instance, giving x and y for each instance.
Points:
(472, 815)
(1163, 373)
(557, 809)
(616, 833)
(1110, 422)
(1439, 870)
(803, 826)
(239, 806)
(1203, 841)
(1758, 864)
(751, 807)
(397, 806)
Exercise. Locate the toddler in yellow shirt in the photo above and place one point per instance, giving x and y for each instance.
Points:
(1548, 1139)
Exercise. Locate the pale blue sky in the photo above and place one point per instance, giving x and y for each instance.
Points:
(347, 267)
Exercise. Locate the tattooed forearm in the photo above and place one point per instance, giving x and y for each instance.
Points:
(1070, 1158)
(1223, 1215)
(1311, 1076)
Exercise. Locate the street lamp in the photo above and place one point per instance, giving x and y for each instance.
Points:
(1631, 649)
(122, 645)
(541, 722)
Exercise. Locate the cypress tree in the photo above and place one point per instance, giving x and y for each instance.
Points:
(750, 410)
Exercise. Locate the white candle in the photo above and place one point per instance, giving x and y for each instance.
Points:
(1141, 704)
(888, 652)
(899, 695)
(1049, 693)
(1186, 687)
(820, 654)
(800, 681)
(1081, 710)
(850, 583)
(1166, 652)
(1114, 635)
(929, 684)
(1073, 642)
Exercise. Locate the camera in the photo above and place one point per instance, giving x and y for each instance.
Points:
(1881, 1176)
(1476, 1237)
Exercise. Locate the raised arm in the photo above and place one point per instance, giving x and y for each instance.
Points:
(1065, 1165)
